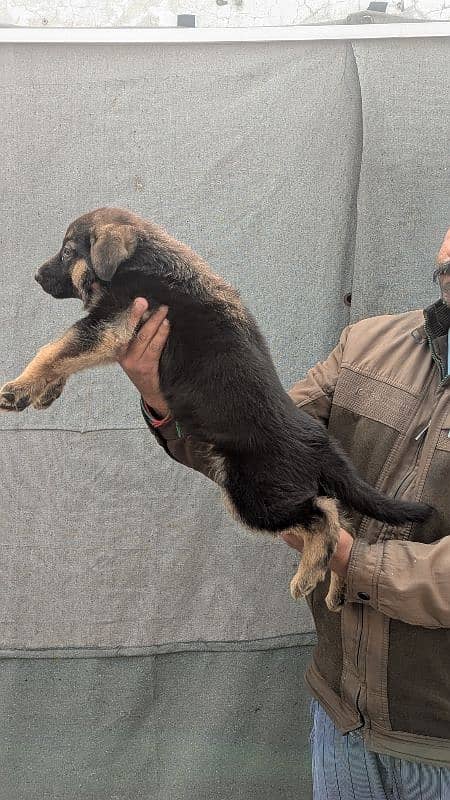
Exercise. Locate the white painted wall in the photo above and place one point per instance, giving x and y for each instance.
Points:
(233, 13)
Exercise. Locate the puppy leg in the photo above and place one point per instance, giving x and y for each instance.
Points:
(319, 543)
(88, 343)
(336, 593)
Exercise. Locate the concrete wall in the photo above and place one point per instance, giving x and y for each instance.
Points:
(209, 13)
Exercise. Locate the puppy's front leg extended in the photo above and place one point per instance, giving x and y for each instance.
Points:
(88, 343)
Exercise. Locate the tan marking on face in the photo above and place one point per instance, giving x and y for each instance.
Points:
(96, 296)
(78, 274)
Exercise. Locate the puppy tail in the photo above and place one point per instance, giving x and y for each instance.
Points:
(355, 493)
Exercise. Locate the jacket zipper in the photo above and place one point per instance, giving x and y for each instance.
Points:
(358, 665)
(445, 378)
(424, 430)
(435, 356)
(421, 435)
(420, 438)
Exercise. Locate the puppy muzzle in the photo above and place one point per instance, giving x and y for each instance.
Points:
(56, 286)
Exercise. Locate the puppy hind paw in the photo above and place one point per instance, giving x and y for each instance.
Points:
(335, 598)
(305, 581)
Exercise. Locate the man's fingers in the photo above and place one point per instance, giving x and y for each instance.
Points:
(148, 330)
(152, 335)
(156, 343)
(139, 306)
(146, 335)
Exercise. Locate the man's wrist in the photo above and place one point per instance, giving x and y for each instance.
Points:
(156, 416)
(157, 410)
(339, 562)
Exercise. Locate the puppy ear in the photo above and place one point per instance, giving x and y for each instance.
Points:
(110, 245)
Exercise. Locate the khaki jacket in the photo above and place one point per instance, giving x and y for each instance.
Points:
(383, 664)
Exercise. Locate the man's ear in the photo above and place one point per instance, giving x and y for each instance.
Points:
(110, 245)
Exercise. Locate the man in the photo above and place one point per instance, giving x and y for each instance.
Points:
(380, 674)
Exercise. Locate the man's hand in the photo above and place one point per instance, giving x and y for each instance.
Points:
(140, 360)
(339, 562)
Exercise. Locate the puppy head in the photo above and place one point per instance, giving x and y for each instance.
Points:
(94, 246)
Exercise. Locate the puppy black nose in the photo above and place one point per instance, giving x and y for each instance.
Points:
(38, 277)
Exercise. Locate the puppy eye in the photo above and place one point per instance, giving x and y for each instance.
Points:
(66, 253)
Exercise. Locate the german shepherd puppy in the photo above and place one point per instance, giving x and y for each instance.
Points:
(277, 466)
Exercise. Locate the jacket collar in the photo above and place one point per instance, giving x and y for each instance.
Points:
(436, 322)
(437, 319)
(435, 331)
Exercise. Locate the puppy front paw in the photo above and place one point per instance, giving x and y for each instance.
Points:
(51, 393)
(21, 393)
(15, 396)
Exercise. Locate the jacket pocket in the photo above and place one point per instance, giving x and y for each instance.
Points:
(373, 398)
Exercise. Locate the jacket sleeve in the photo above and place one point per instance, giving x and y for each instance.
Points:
(313, 394)
(408, 581)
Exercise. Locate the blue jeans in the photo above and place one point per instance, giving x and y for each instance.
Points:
(344, 770)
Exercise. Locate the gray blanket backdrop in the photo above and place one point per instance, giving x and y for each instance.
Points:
(148, 646)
